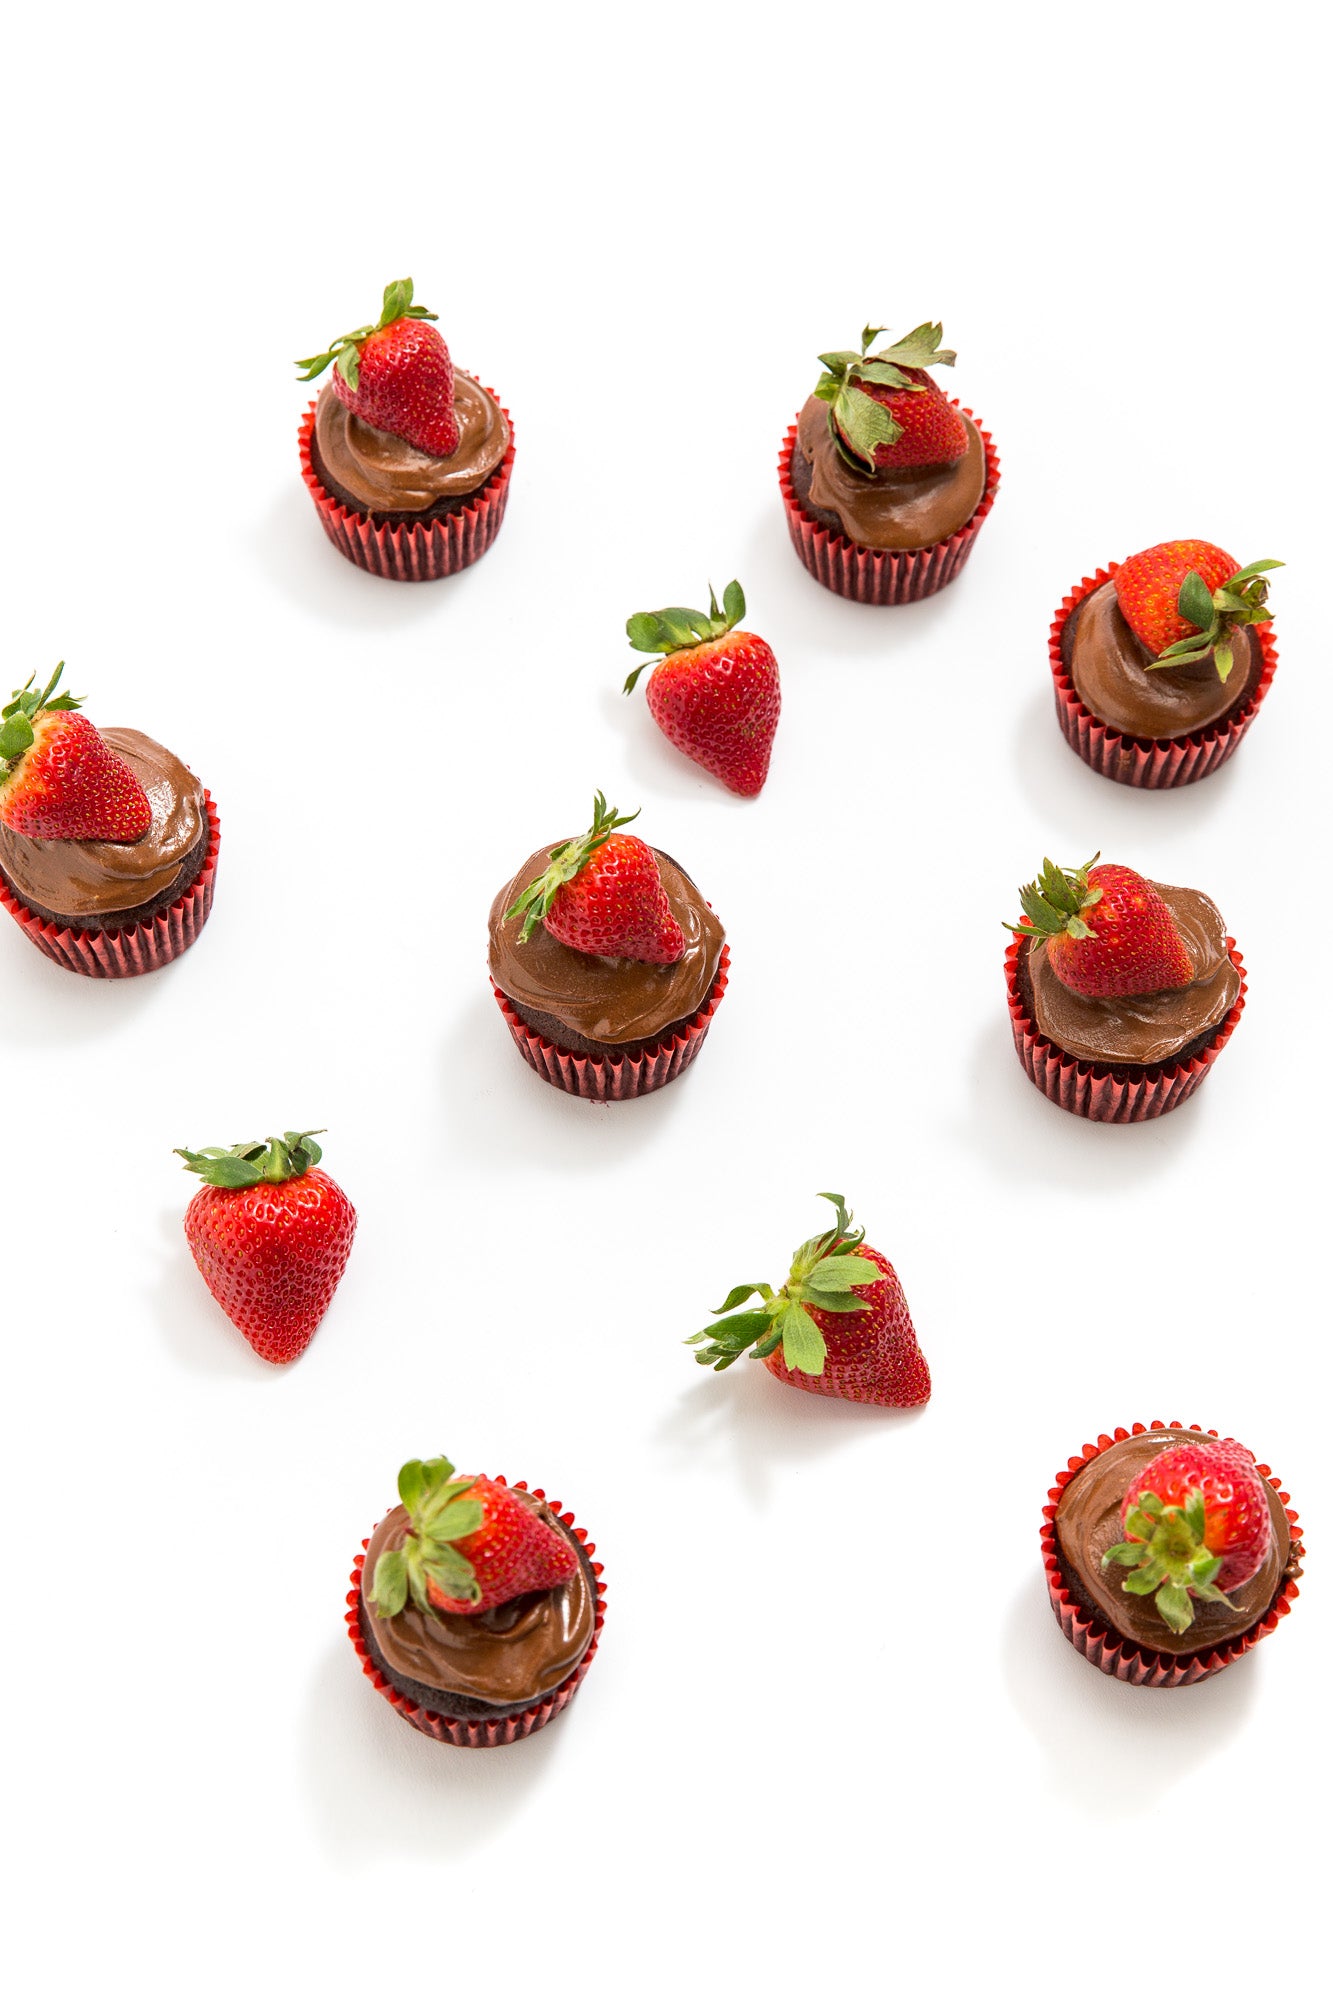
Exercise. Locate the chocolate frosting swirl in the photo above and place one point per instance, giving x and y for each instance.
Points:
(606, 999)
(89, 878)
(386, 474)
(1145, 1027)
(889, 509)
(511, 1654)
(1087, 1523)
(1113, 677)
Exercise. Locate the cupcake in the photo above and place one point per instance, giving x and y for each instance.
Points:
(1122, 992)
(1161, 662)
(108, 844)
(606, 962)
(407, 462)
(476, 1606)
(838, 1327)
(886, 482)
(1168, 1553)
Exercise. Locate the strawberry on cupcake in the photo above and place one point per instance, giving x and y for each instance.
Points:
(1160, 662)
(407, 461)
(1122, 991)
(108, 844)
(886, 480)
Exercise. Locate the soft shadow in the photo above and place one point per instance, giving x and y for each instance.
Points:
(748, 1417)
(296, 556)
(192, 1324)
(1069, 793)
(1112, 1749)
(45, 1003)
(379, 1789)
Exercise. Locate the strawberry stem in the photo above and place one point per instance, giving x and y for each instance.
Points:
(857, 423)
(1169, 1557)
(826, 1272)
(1241, 600)
(676, 629)
(565, 863)
(1055, 903)
(345, 351)
(274, 1160)
(438, 1517)
(19, 714)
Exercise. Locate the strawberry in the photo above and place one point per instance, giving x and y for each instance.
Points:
(471, 1544)
(839, 1326)
(884, 410)
(1183, 600)
(396, 375)
(602, 893)
(1198, 1524)
(271, 1235)
(715, 693)
(58, 779)
(1131, 944)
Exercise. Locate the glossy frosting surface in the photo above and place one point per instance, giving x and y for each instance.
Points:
(606, 999)
(78, 878)
(1087, 1523)
(1148, 1027)
(513, 1653)
(1113, 678)
(891, 510)
(388, 475)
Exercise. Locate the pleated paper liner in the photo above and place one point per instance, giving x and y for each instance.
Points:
(607, 1079)
(1154, 766)
(1110, 1093)
(475, 1733)
(418, 551)
(140, 947)
(1121, 1657)
(882, 576)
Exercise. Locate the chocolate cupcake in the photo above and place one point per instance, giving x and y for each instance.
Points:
(606, 961)
(886, 482)
(1160, 663)
(477, 1606)
(407, 462)
(1168, 1553)
(108, 843)
(1122, 991)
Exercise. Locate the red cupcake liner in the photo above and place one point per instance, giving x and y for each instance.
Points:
(477, 1734)
(418, 551)
(1155, 766)
(140, 947)
(882, 576)
(1107, 1092)
(1121, 1657)
(609, 1078)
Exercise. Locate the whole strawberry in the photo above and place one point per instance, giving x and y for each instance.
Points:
(471, 1544)
(1183, 600)
(58, 779)
(271, 1234)
(602, 894)
(715, 693)
(1106, 930)
(839, 1326)
(396, 375)
(1198, 1524)
(885, 411)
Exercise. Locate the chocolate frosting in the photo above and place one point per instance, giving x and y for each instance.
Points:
(1087, 1523)
(1146, 1027)
(386, 474)
(89, 878)
(1112, 675)
(606, 999)
(511, 1654)
(889, 509)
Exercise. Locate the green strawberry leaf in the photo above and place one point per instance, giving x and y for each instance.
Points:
(16, 736)
(841, 1274)
(455, 1521)
(645, 633)
(733, 603)
(412, 1484)
(838, 1302)
(803, 1345)
(388, 1591)
(1224, 660)
(1174, 1604)
(1195, 601)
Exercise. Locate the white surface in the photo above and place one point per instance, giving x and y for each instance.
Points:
(833, 1739)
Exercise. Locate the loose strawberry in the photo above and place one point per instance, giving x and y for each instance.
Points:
(715, 693)
(396, 375)
(602, 893)
(1183, 600)
(1106, 930)
(884, 410)
(839, 1326)
(271, 1235)
(471, 1544)
(1198, 1524)
(58, 779)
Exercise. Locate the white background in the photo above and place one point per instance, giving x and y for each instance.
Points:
(833, 1739)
